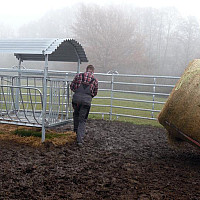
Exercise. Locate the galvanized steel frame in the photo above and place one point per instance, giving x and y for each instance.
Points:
(41, 49)
(24, 98)
(152, 93)
(12, 85)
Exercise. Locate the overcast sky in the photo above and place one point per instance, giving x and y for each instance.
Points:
(17, 12)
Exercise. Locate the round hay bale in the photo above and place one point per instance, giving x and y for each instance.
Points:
(181, 112)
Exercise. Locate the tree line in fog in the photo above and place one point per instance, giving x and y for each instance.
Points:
(126, 39)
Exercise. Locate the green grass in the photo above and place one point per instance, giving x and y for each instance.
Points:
(28, 133)
(129, 104)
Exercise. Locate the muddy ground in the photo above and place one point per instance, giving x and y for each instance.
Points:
(118, 161)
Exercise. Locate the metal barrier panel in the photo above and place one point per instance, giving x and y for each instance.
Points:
(132, 96)
(21, 100)
(59, 108)
(119, 96)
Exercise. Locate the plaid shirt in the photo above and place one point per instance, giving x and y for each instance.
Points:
(88, 76)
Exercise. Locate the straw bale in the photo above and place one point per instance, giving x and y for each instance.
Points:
(182, 109)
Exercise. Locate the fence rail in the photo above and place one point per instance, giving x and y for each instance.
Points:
(122, 95)
(22, 98)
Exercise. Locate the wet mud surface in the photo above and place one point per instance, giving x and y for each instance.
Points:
(118, 161)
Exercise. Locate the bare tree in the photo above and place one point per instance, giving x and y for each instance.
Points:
(109, 37)
(157, 27)
(130, 40)
(188, 38)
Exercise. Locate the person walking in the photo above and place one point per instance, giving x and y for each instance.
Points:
(85, 87)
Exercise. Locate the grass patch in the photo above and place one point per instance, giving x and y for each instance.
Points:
(29, 133)
(32, 136)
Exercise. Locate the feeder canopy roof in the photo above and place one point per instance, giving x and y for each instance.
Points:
(65, 50)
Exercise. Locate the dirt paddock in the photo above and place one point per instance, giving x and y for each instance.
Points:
(118, 161)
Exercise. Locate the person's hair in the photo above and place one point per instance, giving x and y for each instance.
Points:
(90, 68)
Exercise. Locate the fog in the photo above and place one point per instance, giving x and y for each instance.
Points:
(145, 40)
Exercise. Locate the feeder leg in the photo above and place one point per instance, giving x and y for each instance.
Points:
(43, 133)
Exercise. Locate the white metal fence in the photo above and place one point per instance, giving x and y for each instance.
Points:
(132, 96)
(22, 98)
(23, 95)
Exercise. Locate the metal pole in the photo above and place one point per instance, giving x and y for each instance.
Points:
(44, 97)
(18, 84)
(154, 90)
(67, 103)
(111, 95)
(78, 67)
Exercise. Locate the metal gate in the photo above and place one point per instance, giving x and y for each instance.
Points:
(131, 96)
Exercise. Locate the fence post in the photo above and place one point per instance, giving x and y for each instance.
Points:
(111, 95)
(68, 101)
(18, 84)
(154, 90)
(44, 97)
(78, 66)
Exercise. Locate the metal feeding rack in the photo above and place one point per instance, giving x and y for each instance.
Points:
(38, 98)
